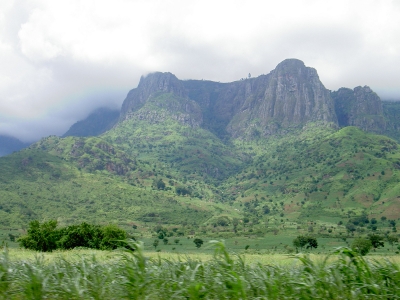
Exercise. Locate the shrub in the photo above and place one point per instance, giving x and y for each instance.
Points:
(41, 237)
(361, 245)
(46, 237)
(198, 242)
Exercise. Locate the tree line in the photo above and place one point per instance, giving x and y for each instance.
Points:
(47, 237)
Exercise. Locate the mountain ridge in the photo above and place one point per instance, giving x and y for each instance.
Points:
(196, 152)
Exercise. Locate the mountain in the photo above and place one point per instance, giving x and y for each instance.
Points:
(98, 122)
(391, 111)
(10, 144)
(288, 97)
(359, 107)
(194, 154)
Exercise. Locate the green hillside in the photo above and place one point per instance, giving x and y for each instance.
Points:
(318, 174)
(169, 161)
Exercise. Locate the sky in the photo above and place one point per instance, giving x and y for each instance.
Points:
(60, 60)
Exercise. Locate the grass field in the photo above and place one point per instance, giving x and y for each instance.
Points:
(142, 274)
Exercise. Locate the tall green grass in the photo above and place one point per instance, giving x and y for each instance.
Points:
(131, 275)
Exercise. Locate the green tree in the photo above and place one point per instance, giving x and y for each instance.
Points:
(160, 184)
(299, 242)
(112, 237)
(312, 243)
(376, 241)
(392, 239)
(165, 240)
(198, 242)
(361, 246)
(155, 243)
(302, 240)
(41, 237)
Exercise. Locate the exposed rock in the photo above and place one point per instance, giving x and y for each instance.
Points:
(290, 96)
(360, 107)
(165, 96)
(391, 112)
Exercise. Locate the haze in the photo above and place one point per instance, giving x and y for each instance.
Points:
(62, 59)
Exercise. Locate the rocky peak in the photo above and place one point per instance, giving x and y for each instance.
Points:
(359, 107)
(149, 85)
(289, 96)
(162, 82)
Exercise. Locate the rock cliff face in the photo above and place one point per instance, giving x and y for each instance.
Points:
(391, 111)
(360, 107)
(164, 95)
(288, 97)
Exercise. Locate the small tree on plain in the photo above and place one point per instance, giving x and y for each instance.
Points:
(392, 239)
(361, 246)
(376, 241)
(198, 242)
(312, 243)
(155, 243)
(300, 242)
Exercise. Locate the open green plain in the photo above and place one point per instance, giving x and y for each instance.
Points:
(88, 274)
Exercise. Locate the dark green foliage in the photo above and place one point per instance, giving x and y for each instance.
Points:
(308, 241)
(361, 246)
(312, 243)
(160, 184)
(46, 237)
(376, 241)
(155, 243)
(198, 242)
(392, 239)
(182, 190)
(300, 241)
(41, 237)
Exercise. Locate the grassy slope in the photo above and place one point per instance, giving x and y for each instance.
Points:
(320, 174)
(317, 174)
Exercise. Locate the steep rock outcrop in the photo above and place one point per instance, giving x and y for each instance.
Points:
(360, 107)
(391, 112)
(290, 96)
(165, 96)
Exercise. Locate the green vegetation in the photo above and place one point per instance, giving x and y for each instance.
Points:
(47, 237)
(159, 167)
(305, 241)
(132, 275)
(361, 246)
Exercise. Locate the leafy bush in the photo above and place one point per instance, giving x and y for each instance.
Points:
(46, 237)
(361, 245)
(301, 241)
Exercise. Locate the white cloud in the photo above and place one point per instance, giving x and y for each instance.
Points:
(61, 59)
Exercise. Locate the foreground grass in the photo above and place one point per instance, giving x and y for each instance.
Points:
(131, 275)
